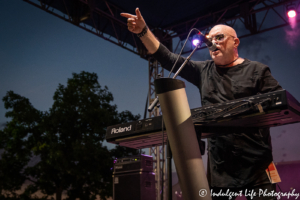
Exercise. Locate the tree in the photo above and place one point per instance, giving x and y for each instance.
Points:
(67, 139)
(16, 139)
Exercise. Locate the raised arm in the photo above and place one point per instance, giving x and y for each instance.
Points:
(136, 24)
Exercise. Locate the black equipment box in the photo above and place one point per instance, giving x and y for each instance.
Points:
(137, 163)
(136, 185)
(133, 178)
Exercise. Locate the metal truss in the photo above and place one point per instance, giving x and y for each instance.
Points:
(247, 13)
(102, 18)
(158, 152)
(248, 17)
(160, 170)
(155, 70)
(85, 15)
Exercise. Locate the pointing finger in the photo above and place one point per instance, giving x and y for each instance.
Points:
(127, 15)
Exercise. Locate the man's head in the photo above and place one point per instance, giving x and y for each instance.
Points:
(227, 43)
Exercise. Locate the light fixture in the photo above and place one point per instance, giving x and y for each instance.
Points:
(196, 39)
(291, 10)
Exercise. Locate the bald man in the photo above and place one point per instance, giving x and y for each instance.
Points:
(235, 161)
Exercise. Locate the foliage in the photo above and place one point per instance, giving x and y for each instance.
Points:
(66, 141)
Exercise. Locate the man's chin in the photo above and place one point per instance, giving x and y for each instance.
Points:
(216, 58)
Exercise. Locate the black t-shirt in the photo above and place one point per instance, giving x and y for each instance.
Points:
(238, 159)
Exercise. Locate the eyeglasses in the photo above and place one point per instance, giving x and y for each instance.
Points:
(219, 37)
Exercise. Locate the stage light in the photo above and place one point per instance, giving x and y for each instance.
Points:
(291, 11)
(196, 40)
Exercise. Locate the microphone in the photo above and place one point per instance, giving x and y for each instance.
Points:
(210, 45)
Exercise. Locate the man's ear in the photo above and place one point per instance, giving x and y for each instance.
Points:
(236, 42)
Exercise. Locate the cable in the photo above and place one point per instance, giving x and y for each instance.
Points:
(182, 49)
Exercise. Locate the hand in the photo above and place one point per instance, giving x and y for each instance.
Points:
(135, 23)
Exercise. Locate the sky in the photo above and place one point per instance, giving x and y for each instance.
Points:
(38, 51)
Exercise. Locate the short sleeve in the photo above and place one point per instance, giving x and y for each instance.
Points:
(267, 83)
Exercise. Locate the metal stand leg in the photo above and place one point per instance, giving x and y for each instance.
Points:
(182, 138)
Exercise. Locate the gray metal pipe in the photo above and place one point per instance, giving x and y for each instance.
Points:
(182, 138)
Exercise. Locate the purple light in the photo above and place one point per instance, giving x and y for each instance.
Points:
(196, 42)
(291, 13)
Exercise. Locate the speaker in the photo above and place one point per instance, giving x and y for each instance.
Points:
(135, 185)
(134, 164)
